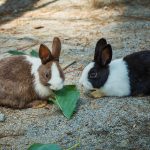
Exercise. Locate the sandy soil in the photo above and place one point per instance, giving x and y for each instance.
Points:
(105, 123)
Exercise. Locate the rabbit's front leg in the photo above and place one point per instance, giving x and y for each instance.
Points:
(39, 104)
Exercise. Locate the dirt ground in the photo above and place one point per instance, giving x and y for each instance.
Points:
(108, 123)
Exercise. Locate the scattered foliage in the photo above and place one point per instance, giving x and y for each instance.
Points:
(34, 53)
(15, 52)
(39, 146)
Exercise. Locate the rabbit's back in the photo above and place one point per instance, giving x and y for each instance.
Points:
(139, 72)
(16, 82)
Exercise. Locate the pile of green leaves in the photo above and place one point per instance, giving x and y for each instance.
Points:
(66, 98)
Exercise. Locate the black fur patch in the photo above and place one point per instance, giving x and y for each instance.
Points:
(139, 72)
(101, 75)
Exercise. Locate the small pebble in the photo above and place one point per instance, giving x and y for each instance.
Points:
(2, 117)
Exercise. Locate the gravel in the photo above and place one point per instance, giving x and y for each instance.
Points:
(109, 123)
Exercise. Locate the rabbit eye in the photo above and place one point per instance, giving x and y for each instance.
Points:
(93, 75)
(47, 75)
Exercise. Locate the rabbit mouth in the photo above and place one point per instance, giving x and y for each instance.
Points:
(48, 84)
(54, 88)
(88, 92)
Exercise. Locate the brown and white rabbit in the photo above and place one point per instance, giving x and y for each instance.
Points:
(25, 79)
(121, 77)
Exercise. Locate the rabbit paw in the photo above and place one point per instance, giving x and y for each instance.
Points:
(97, 94)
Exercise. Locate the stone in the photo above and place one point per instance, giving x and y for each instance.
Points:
(2, 117)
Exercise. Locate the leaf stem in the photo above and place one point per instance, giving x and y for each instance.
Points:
(69, 65)
(74, 146)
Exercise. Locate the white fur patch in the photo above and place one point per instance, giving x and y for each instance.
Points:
(40, 89)
(56, 81)
(84, 77)
(117, 83)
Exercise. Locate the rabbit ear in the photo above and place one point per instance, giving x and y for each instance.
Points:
(45, 54)
(56, 48)
(99, 46)
(106, 55)
(103, 53)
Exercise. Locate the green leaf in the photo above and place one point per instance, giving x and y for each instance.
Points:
(66, 99)
(34, 53)
(15, 52)
(39, 146)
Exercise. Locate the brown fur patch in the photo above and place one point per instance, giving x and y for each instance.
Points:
(56, 47)
(45, 73)
(16, 82)
(105, 55)
(46, 69)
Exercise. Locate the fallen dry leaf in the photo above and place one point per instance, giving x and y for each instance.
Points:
(38, 27)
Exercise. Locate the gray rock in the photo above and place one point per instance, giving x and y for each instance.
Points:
(2, 117)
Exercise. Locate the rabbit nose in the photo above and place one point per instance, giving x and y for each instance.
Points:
(80, 85)
(48, 84)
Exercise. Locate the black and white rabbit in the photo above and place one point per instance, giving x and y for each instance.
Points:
(25, 80)
(121, 77)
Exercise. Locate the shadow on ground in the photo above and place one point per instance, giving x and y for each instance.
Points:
(12, 9)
